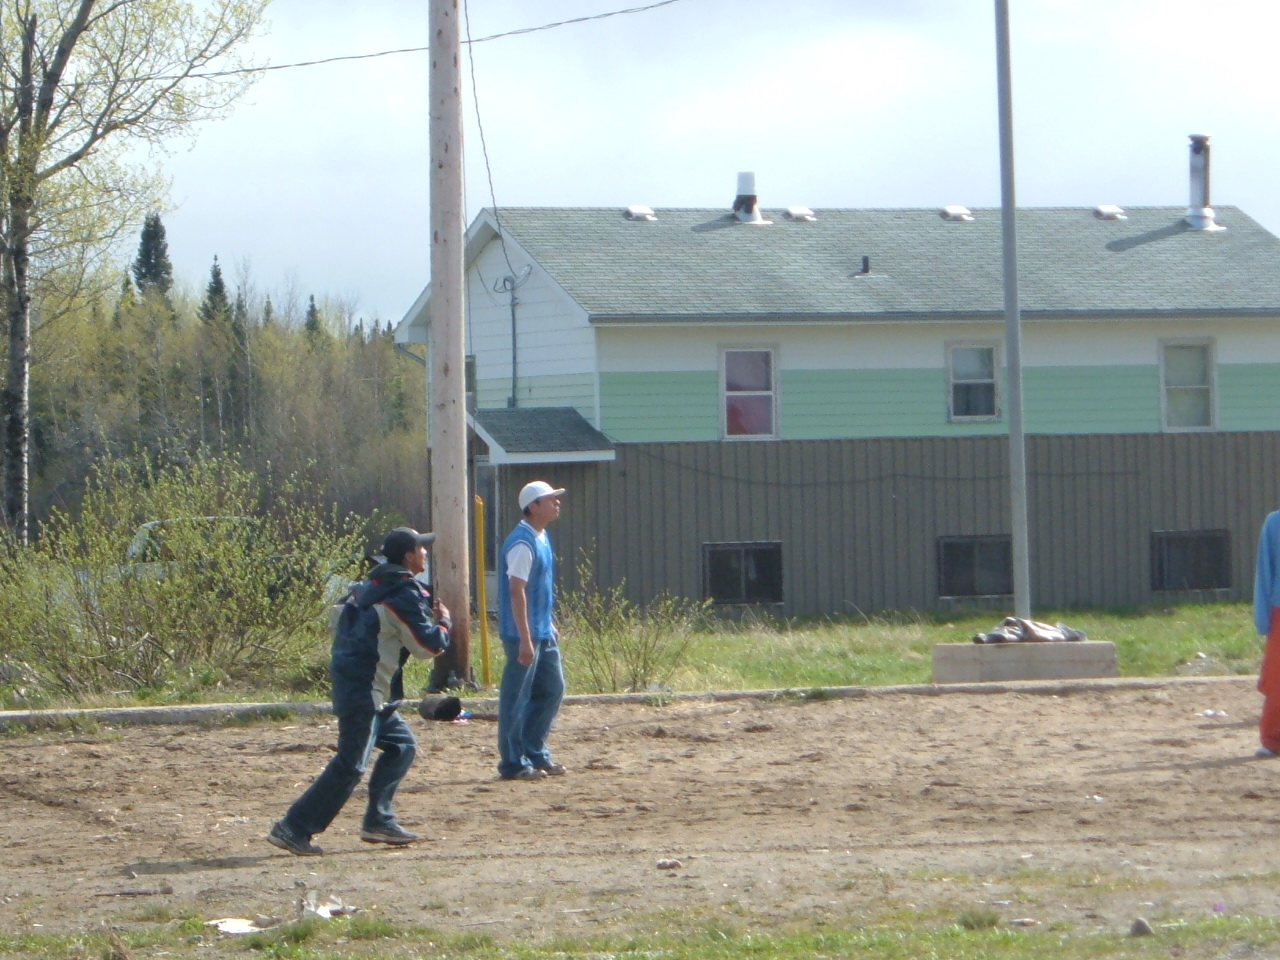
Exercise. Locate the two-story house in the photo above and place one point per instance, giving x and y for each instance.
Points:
(807, 408)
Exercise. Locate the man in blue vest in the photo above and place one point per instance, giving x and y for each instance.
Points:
(532, 681)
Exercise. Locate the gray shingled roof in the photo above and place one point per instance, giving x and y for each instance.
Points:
(703, 264)
(541, 430)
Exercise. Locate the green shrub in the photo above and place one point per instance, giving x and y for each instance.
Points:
(619, 645)
(227, 586)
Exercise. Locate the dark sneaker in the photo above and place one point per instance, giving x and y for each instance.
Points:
(553, 769)
(283, 837)
(391, 833)
(528, 773)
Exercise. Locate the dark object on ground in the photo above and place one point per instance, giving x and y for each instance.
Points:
(439, 708)
(1017, 630)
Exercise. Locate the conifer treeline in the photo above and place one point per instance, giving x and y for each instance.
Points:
(291, 390)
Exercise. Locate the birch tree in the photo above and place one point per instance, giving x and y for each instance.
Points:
(81, 83)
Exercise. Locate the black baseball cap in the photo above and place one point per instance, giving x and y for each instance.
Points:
(402, 540)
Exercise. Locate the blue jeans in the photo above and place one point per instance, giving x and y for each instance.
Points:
(358, 734)
(528, 700)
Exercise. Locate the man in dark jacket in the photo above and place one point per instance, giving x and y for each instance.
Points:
(385, 620)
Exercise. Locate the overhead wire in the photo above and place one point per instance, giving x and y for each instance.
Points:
(519, 31)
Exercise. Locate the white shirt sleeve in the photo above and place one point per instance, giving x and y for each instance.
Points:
(519, 561)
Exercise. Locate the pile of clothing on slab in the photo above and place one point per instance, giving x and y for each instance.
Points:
(1017, 630)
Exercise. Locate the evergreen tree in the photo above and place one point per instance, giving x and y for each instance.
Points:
(268, 313)
(216, 306)
(222, 374)
(151, 267)
(314, 325)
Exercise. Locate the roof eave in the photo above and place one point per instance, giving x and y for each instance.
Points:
(971, 316)
(413, 326)
(500, 455)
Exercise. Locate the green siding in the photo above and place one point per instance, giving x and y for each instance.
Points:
(833, 404)
(837, 404)
(1080, 400)
(1248, 396)
(574, 390)
(636, 407)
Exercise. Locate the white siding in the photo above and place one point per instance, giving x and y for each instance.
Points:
(919, 345)
(554, 342)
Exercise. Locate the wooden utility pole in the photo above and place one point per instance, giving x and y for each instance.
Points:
(446, 381)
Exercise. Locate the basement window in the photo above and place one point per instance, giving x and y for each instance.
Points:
(742, 572)
(975, 566)
(1191, 560)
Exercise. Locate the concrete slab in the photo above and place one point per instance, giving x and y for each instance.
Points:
(983, 662)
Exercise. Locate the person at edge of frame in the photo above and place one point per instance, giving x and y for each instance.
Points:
(1266, 619)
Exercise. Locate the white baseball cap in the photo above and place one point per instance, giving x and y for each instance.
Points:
(537, 490)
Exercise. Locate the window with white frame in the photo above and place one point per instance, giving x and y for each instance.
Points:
(750, 396)
(1186, 373)
(972, 392)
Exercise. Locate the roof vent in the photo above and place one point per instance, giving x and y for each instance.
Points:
(1199, 213)
(637, 212)
(1109, 211)
(745, 206)
(803, 214)
(956, 213)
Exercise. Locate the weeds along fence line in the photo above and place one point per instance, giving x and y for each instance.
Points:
(221, 584)
(617, 646)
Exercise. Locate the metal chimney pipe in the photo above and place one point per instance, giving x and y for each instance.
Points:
(1200, 213)
(744, 204)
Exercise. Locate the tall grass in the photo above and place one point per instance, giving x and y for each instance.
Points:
(1208, 640)
(1204, 640)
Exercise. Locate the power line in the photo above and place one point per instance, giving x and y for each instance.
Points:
(469, 42)
(565, 23)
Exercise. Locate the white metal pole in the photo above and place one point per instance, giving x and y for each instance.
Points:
(1012, 323)
(449, 501)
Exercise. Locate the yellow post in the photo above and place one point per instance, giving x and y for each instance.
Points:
(482, 601)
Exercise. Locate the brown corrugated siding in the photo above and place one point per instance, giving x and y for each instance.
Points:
(859, 520)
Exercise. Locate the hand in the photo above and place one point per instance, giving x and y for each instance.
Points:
(440, 611)
(525, 654)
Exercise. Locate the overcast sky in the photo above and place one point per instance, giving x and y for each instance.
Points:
(318, 181)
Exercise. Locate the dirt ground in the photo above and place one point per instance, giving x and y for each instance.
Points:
(1085, 809)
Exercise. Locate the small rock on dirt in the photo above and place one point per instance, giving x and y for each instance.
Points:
(669, 864)
(1141, 928)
